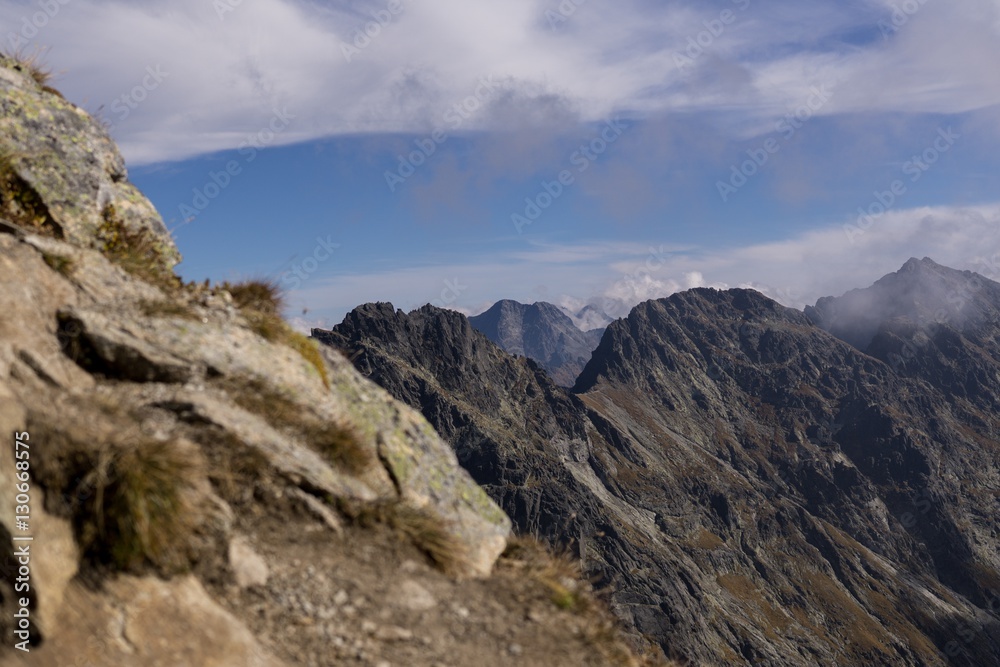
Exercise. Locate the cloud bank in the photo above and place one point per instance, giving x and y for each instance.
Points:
(398, 66)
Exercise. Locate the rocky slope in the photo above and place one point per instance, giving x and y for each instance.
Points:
(204, 485)
(755, 490)
(541, 332)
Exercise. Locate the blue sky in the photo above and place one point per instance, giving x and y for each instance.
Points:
(575, 151)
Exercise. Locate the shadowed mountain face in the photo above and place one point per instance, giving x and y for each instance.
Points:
(541, 332)
(753, 489)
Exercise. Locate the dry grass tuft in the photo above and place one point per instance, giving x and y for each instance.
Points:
(138, 251)
(59, 263)
(559, 574)
(30, 64)
(167, 308)
(339, 443)
(234, 469)
(309, 350)
(258, 294)
(424, 530)
(261, 302)
(139, 505)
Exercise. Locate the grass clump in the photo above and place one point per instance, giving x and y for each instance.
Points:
(308, 349)
(340, 445)
(261, 302)
(30, 64)
(167, 308)
(260, 295)
(558, 574)
(138, 251)
(139, 508)
(338, 442)
(427, 532)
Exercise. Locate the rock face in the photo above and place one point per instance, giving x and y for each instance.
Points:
(205, 485)
(541, 332)
(68, 170)
(755, 490)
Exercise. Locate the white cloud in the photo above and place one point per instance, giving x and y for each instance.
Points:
(614, 277)
(228, 73)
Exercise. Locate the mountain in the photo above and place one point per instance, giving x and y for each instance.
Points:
(931, 323)
(185, 480)
(921, 294)
(750, 488)
(542, 332)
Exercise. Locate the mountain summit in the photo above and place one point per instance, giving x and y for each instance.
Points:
(922, 293)
(542, 332)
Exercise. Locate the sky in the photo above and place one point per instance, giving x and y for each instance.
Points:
(457, 152)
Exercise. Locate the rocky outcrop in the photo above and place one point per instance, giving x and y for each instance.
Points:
(206, 485)
(754, 490)
(541, 332)
(67, 172)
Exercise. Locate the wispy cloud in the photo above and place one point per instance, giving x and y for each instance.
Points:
(228, 70)
(795, 271)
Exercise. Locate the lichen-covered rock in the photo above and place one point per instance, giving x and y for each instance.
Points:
(74, 173)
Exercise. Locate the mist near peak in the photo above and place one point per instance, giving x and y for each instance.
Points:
(922, 293)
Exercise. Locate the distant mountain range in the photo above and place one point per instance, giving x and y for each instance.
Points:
(754, 485)
(542, 332)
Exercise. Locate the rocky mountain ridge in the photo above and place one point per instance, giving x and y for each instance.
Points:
(753, 489)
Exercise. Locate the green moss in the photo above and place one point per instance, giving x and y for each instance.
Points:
(59, 263)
